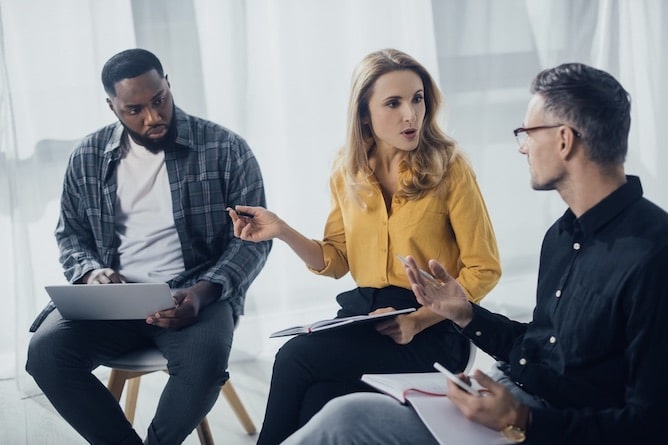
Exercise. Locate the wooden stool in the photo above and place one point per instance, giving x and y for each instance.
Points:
(131, 367)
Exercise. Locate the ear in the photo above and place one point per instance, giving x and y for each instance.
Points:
(167, 80)
(110, 105)
(568, 142)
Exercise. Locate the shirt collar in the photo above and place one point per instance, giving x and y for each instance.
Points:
(609, 207)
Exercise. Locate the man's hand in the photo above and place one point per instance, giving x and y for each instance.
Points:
(188, 304)
(496, 408)
(101, 276)
(446, 299)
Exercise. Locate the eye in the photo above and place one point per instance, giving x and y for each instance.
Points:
(418, 98)
(159, 101)
(133, 111)
(393, 103)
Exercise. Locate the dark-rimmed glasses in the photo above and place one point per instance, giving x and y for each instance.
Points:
(521, 133)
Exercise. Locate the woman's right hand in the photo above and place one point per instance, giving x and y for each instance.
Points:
(258, 224)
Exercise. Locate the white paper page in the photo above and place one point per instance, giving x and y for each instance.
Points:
(448, 424)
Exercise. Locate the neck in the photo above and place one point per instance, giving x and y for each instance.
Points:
(591, 185)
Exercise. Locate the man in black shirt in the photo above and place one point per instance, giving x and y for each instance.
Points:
(588, 369)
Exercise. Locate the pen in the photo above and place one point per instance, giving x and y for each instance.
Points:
(244, 214)
(429, 277)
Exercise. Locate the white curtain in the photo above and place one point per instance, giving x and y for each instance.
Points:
(278, 73)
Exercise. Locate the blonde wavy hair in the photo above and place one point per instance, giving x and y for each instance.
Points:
(427, 165)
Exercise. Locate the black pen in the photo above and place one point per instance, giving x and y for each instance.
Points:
(244, 214)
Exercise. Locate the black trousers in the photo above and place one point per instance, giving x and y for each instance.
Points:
(310, 370)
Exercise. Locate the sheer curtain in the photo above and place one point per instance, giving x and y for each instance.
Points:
(278, 72)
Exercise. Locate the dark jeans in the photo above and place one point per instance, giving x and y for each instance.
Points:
(63, 353)
(310, 370)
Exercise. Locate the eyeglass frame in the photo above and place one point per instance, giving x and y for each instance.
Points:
(517, 131)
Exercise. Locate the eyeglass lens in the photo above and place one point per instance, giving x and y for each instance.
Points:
(521, 137)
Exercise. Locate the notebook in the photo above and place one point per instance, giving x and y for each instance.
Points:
(125, 301)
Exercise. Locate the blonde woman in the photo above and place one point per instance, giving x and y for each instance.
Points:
(400, 186)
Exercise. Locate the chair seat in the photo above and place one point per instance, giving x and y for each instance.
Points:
(143, 360)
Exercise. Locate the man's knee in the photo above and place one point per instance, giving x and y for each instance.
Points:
(39, 356)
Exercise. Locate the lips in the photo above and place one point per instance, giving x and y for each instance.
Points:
(410, 133)
(157, 132)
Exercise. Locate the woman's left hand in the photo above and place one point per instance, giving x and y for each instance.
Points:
(401, 328)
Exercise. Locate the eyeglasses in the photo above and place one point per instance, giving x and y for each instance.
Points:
(521, 133)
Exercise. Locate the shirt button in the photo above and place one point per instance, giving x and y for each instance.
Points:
(558, 293)
(478, 333)
(553, 339)
(576, 246)
(523, 361)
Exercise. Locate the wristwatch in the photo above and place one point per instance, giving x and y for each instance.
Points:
(514, 434)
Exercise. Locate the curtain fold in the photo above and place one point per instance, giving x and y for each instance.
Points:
(52, 59)
(11, 219)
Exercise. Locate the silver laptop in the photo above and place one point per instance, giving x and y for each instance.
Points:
(125, 301)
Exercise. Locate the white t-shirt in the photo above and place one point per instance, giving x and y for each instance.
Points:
(150, 250)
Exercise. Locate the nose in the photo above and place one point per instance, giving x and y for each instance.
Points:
(152, 116)
(409, 113)
(522, 149)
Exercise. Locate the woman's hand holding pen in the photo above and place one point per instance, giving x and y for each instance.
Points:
(448, 299)
(255, 223)
(259, 224)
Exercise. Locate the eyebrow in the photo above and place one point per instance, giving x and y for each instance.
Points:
(155, 96)
(399, 97)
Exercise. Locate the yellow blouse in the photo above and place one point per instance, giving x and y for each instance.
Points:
(451, 225)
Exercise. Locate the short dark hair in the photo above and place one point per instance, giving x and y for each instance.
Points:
(594, 103)
(126, 65)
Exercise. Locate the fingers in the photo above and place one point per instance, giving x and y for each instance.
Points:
(105, 276)
(242, 220)
(484, 379)
(382, 310)
(179, 296)
(439, 271)
(171, 318)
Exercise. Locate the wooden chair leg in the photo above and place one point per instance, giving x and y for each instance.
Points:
(131, 399)
(204, 433)
(238, 408)
(116, 383)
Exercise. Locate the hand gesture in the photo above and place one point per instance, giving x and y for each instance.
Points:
(255, 223)
(447, 299)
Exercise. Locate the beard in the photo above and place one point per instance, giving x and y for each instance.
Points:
(154, 145)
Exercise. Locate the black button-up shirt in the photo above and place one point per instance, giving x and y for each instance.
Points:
(597, 348)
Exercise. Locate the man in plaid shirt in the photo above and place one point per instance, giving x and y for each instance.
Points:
(144, 200)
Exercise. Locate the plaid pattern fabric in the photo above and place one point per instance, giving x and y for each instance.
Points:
(209, 169)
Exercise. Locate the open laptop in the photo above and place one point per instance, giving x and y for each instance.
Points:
(127, 301)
